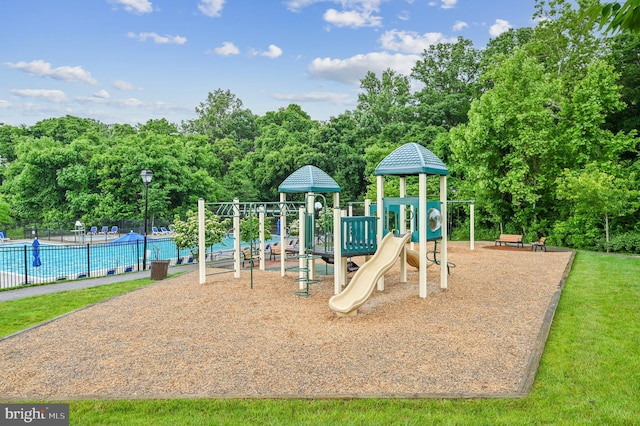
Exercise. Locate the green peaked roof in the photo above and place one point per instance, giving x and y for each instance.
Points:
(411, 159)
(309, 179)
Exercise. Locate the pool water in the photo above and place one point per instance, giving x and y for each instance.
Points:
(80, 261)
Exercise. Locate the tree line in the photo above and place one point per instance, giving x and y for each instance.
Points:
(539, 128)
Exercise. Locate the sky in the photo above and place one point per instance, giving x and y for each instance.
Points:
(129, 61)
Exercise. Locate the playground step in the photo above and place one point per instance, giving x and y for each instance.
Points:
(307, 280)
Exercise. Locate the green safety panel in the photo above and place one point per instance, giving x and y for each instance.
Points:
(309, 226)
(358, 235)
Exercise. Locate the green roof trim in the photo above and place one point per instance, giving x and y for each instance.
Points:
(309, 179)
(411, 159)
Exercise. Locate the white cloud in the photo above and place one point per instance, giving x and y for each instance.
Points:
(448, 4)
(273, 52)
(122, 85)
(158, 39)
(227, 49)
(330, 97)
(404, 15)
(459, 25)
(352, 70)
(444, 4)
(4, 104)
(138, 7)
(354, 13)
(109, 101)
(352, 18)
(103, 94)
(410, 41)
(212, 8)
(43, 69)
(296, 5)
(499, 27)
(56, 96)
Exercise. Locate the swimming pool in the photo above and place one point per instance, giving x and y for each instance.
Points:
(58, 262)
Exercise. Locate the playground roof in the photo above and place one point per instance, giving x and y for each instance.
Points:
(309, 179)
(411, 159)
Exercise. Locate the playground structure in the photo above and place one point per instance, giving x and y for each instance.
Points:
(357, 235)
(408, 160)
(236, 211)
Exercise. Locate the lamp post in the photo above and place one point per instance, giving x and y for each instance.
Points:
(146, 176)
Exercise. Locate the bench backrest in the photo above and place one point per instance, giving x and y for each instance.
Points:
(511, 238)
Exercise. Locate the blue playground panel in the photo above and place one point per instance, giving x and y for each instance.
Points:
(434, 217)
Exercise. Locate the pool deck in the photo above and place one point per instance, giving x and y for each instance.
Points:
(22, 292)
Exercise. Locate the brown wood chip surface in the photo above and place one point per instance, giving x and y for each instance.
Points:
(178, 338)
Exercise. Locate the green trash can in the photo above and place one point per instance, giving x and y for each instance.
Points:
(159, 269)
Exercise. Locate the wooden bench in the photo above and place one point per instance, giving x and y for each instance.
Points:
(541, 243)
(510, 239)
(249, 256)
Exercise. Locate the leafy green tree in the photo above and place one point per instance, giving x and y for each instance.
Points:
(250, 229)
(624, 50)
(339, 141)
(285, 144)
(449, 72)
(616, 16)
(67, 129)
(506, 148)
(32, 179)
(594, 192)
(186, 231)
(8, 139)
(564, 40)
(222, 115)
(383, 101)
(5, 212)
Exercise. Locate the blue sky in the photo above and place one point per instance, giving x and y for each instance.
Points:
(128, 61)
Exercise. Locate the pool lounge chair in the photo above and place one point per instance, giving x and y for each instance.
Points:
(114, 230)
(3, 238)
(165, 231)
(104, 230)
(154, 231)
(93, 231)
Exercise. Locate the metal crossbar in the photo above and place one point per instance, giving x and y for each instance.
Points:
(227, 209)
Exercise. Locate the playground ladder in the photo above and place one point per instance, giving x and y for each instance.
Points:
(305, 270)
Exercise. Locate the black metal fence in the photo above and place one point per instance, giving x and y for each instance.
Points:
(18, 264)
(69, 232)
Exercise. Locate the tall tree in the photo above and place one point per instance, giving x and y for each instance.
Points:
(594, 192)
(449, 72)
(222, 115)
(383, 101)
(625, 56)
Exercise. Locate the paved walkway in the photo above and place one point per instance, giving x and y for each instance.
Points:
(22, 292)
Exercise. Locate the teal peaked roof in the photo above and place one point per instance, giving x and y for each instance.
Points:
(309, 179)
(411, 159)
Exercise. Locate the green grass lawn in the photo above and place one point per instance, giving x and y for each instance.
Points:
(588, 375)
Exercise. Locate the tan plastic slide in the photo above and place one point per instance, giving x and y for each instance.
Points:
(413, 258)
(363, 282)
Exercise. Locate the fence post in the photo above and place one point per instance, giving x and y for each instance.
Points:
(26, 273)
